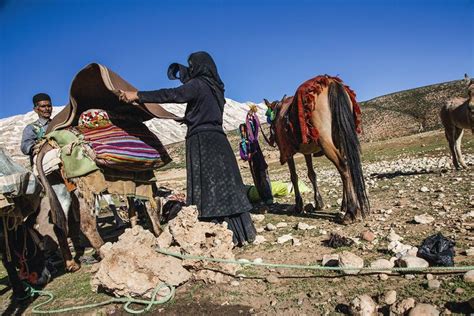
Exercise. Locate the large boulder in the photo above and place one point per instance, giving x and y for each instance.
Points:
(132, 266)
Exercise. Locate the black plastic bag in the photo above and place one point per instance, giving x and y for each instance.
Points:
(437, 250)
(170, 210)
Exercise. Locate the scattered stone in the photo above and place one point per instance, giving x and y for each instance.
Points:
(383, 277)
(412, 262)
(363, 305)
(409, 276)
(429, 276)
(257, 218)
(424, 309)
(424, 189)
(258, 260)
(270, 227)
(383, 264)
(295, 242)
(260, 229)
(434, 284)
(330, 260)
(323, 232)
(459, 290)
(283, 239)
(423, 219)
(389, 297)
(349, 260)
(469, 276)
(392, 236)
(470, 252)
(398, 247)
(259, 239)
(368, 236)
(272, 279)
(234, 283)
(403, 306)
(304, 226)
(281, 225)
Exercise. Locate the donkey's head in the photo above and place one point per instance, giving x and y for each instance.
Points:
(470, 85)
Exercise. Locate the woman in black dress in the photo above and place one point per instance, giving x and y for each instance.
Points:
(214, 183)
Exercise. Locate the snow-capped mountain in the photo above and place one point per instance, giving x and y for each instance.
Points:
(167, 130)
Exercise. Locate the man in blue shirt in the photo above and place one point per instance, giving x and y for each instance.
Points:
(36, 130)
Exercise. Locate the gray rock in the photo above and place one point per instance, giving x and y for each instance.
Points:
(272, 279)
(434, 284)
(424, 310)
(349, 260)
(423, 219)
(283, 239)
(270, 227)
(412, 262)
(331, 260)
(383, 264)
(389, 297)
(403, 306)
(469, 276)
(281, 225)
(363, 305)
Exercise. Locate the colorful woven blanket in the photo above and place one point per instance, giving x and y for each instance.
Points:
(304, 101)
(134, 148)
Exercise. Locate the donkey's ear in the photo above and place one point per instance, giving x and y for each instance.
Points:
(267, 103)
(467, 79)
(283, 99)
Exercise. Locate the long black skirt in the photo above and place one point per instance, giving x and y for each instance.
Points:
(215, 186)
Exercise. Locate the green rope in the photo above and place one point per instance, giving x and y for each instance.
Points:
(315, 267)
(127, 301)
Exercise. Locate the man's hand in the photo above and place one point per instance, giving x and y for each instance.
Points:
(128, 96)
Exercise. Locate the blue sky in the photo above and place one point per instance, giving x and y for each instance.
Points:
(263, 49)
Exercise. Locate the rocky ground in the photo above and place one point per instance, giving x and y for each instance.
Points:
(414, 193)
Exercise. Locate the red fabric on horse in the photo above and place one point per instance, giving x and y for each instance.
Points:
(303, 103)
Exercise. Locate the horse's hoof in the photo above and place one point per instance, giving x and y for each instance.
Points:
(309, 208)
(347, 219)
(72, 266)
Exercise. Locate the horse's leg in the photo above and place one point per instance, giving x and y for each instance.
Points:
(88, 224)
(153, 210)
(294, 180)
(349, 201)
(318, 200)
(458, 133)
(132, 212)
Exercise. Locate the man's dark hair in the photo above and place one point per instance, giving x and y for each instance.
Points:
(40, 97)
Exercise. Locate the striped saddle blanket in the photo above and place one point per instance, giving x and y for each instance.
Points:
(126, 148)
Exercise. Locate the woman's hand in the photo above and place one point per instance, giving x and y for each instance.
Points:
(128, 96)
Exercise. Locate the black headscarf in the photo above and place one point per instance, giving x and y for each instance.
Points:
(201, 66)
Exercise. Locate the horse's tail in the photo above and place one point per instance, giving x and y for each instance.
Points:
(345, 138)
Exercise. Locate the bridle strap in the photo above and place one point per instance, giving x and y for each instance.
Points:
(272, 144)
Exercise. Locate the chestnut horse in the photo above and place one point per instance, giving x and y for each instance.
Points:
(456, 118)
(323, 108)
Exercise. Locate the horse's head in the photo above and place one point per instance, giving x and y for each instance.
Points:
(272, 109)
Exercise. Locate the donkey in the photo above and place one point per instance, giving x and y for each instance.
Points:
(81, 210)
(456, 118)
(322, 107)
